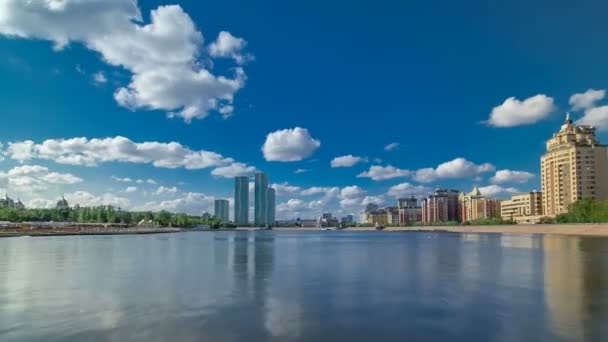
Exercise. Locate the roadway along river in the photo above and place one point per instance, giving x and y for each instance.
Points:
(304, 286)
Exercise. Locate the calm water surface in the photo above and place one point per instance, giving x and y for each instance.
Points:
(304, 286)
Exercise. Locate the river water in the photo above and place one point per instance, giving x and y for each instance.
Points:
(304, 286)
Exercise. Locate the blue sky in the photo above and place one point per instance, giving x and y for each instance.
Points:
(468, 92)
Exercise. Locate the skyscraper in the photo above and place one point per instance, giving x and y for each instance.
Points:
(222, 210)
(441, 206)
(270, 206)
(241, 200)
(260, 192)
(574, 167)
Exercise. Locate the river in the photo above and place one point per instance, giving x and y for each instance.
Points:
(304, 286)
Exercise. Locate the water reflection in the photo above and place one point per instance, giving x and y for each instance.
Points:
(294, 286)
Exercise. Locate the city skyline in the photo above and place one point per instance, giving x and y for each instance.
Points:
(79, 120)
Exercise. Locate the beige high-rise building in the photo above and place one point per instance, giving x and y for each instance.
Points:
(526, 207)
(474, 206)
(574, 167)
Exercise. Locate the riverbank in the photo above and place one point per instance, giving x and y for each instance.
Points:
(600, 229)
(87, 231)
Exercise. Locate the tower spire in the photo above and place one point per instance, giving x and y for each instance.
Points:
(568, 117)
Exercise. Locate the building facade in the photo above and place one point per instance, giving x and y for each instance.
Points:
(241, 200)
(474, 206)
(409, 211)
(222, 210)
(525, 208)
(441, 206)
(260, 190)
(575, 167)
(270, 218)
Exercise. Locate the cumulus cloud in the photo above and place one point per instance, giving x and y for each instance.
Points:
(131, 189)
(317, 190)
(514, 112)
(509, 176)
(587, 99)
(407, 189)
(165, 56)
(497, 191)
(284, 189)
(91, 152)
(234, 170)
(122, 180)
(391, 146)
(346, 161)
(457, 168)
(378, 173)
(166, 190)
(289, 145)
(227, 45)
(596, 117)
(87, 199)
(192, 203)
(99, 77)
(35, 178)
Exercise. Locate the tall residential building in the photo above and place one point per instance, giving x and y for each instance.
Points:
(475, 206)
(526, 207)
(441, 206)
(270, 218)
(409, 210)
(259, 211)
(574, 167)
(222, 210)
(241, 200)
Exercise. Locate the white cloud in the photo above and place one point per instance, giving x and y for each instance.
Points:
(514, 112)
(163, 56)
(227, 45)
(347, 161)
(316, 190)
(191, 203)
(292, 205)
(87, 199)
(597, 117)
(90, 152)
(284, 189)
(352, 191)
(122, 180)
(289, 145)
(166, 190)
(35, 178)
(587, 99)
(234, 170)
(379, 200)
(509, 176)
(457, 168)
(497, 190)
(298, 171)
(391, 146)
(151, 181)
(99, 77)
(378, 173)
(131, 189)
(407, 189)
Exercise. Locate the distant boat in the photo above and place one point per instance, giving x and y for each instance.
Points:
(267, 227)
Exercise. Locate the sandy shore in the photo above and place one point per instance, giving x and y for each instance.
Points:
(96, 231)
(565, 229)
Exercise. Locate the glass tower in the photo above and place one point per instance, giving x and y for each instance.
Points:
(241, 200)
(261, 186)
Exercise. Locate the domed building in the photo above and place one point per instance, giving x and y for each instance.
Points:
(62, 203)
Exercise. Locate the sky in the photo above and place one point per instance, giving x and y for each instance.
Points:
(159, 104)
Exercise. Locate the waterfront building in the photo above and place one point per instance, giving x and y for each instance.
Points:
(260, 190)
(7, 202)
(327, 220)
(523, 208)
(409, 210)
(392, 215)
(441, 206)
(575, 167)
(347, 220)
(241, 200)
(222, 210)
(269, 217)
(475, 206)
(62, 203)
(378, 216)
